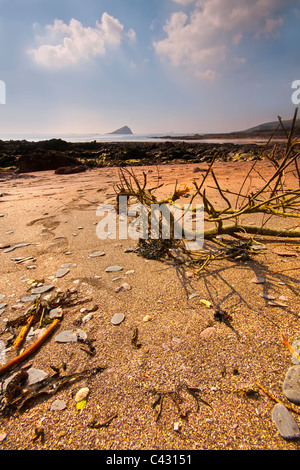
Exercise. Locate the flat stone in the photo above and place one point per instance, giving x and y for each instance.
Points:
(258, 280)
(296, 346)
(97, 254)
(18, 245)
(30, 298)
(193, 296)
(69, 265)
(207, 332)
(58, 405)
(112, 269)
(118, 318)
(62, 272)
(35, 376)
(56, 313)
(70, 336)
(285, 422)
(291, 384)
(2, 296)
(3, 306)
(42, 289)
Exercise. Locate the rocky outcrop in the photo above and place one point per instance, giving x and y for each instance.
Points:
(123, 131)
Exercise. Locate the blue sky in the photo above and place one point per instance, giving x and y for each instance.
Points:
(157, 66)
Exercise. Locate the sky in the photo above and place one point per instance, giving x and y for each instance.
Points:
(157, 66)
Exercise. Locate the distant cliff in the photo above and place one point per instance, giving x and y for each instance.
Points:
(123, 130)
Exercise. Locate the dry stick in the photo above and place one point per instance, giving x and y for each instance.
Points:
(24, 355)
(291, 408)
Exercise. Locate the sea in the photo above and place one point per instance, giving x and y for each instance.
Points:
(86, 137)
(122, 138)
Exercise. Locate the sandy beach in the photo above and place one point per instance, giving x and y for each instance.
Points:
(181, 345)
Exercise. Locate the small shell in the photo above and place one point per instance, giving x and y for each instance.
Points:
(82, 394)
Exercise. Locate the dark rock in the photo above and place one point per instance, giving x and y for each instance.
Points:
(68, 170)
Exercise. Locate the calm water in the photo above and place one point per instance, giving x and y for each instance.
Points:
(114, 138)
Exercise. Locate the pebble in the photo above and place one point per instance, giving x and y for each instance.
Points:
(56, 313)
(118, 318)
(296, 346)
(62, 272)
(58, 405)
(42, 289)
(258, 280)
(112, 269)
(285, 423)
(207, 332)
(35, 376)
(2, 296)
(291, 385)
(97, 254)
(70, 336)
(192, 296)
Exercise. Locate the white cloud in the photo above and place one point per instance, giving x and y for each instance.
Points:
(66, 44)
(210, 34)
(184, 2)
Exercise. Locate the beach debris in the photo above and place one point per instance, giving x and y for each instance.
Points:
(153, 248)
(117, 319)
(112, 269)
(206, 303)
(22, 335)
(285, 422)
(134, 339)
(47, 387)
(38, 433)
(30, 350)
(102, 424)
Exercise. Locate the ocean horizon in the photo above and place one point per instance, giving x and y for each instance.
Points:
(73, 137)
